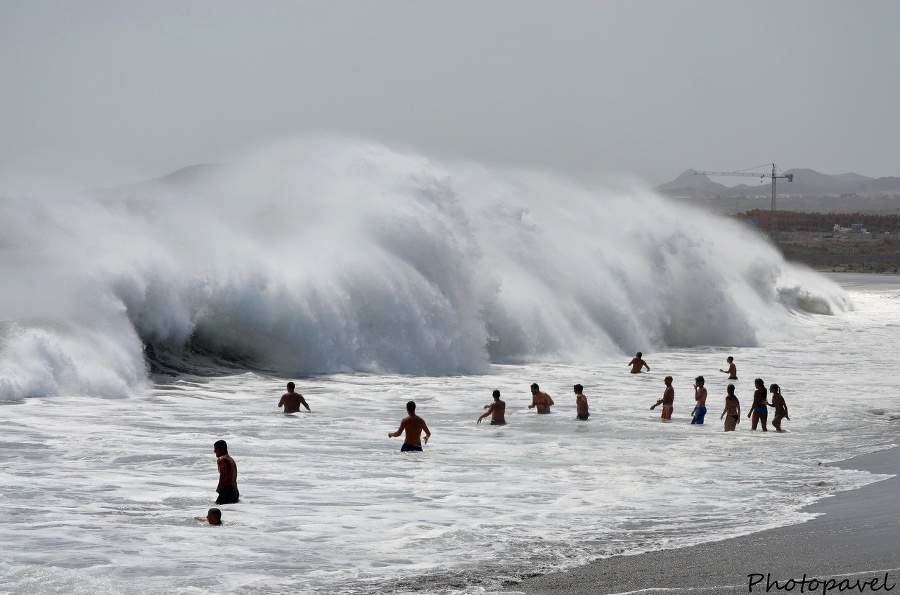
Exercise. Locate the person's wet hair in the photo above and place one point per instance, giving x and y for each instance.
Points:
(291, 385)
(639, 354)
(216, 515)
(700, 380)
(411, 406)
(535, 385)
(759, 382)
(221, 444)
(496, 393)
(579, 388)
(730, 389)
(775, 388)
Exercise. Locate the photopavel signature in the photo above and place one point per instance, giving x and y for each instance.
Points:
(816, 585)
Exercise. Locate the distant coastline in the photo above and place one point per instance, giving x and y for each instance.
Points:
(838, 254)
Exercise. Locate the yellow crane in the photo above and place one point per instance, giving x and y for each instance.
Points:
(773, 221)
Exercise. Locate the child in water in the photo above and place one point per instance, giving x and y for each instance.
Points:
(213, 517)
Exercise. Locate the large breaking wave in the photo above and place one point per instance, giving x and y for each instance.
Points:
(328, 255)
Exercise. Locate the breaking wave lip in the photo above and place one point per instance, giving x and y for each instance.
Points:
(332, 255)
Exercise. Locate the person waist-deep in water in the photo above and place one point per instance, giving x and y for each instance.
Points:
(227, 487)
(413, 426)
(699, 412)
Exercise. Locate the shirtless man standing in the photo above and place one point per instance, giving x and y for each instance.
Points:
(497, 411)
(292, 400)
(581, 404)
(667, 401)
(638, 364)
(732, 369)
(227, 488)
(413, 425)
(732, 410)
(540, 399)
(699, 412)
(781, 410)
(758, 410)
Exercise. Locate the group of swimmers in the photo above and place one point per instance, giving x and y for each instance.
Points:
(758, 413)
(413, 426)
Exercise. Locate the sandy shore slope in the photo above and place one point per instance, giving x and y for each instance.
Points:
(856, 538)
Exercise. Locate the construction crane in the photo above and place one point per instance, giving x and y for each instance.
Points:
(773, 222)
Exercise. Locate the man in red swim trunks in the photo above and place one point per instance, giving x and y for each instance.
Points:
(667, 401)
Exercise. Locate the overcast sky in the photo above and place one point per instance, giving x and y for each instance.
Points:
(106, 92)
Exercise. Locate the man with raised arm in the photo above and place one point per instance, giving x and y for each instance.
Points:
(700, 393)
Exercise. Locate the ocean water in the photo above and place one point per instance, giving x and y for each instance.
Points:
(139, 325)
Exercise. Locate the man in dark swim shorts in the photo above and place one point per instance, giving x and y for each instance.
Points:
(581, 403)
(732, 369)
(227, 487)
(496, 410)
(413, 425)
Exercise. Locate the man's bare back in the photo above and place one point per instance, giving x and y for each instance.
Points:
(497, 411)
(413, 426)
(292, 400)
(638, 364)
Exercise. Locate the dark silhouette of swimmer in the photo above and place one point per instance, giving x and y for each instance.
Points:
(227, 487)
(292, 400)
(732, 369)
(581, 403)
(638, 364)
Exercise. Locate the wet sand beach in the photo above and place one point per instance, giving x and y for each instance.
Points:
(856, 538)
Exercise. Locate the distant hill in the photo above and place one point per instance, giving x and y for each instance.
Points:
(811, 191)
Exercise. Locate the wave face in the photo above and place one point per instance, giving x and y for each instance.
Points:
(325, 256)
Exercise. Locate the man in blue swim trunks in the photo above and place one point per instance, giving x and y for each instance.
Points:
(540, 399)
(700, 397)
(758, 410)
(413, 425)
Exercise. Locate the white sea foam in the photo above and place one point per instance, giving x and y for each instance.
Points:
(327, 256)
(98, 495)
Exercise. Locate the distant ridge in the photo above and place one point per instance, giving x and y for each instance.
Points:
(806, 181)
